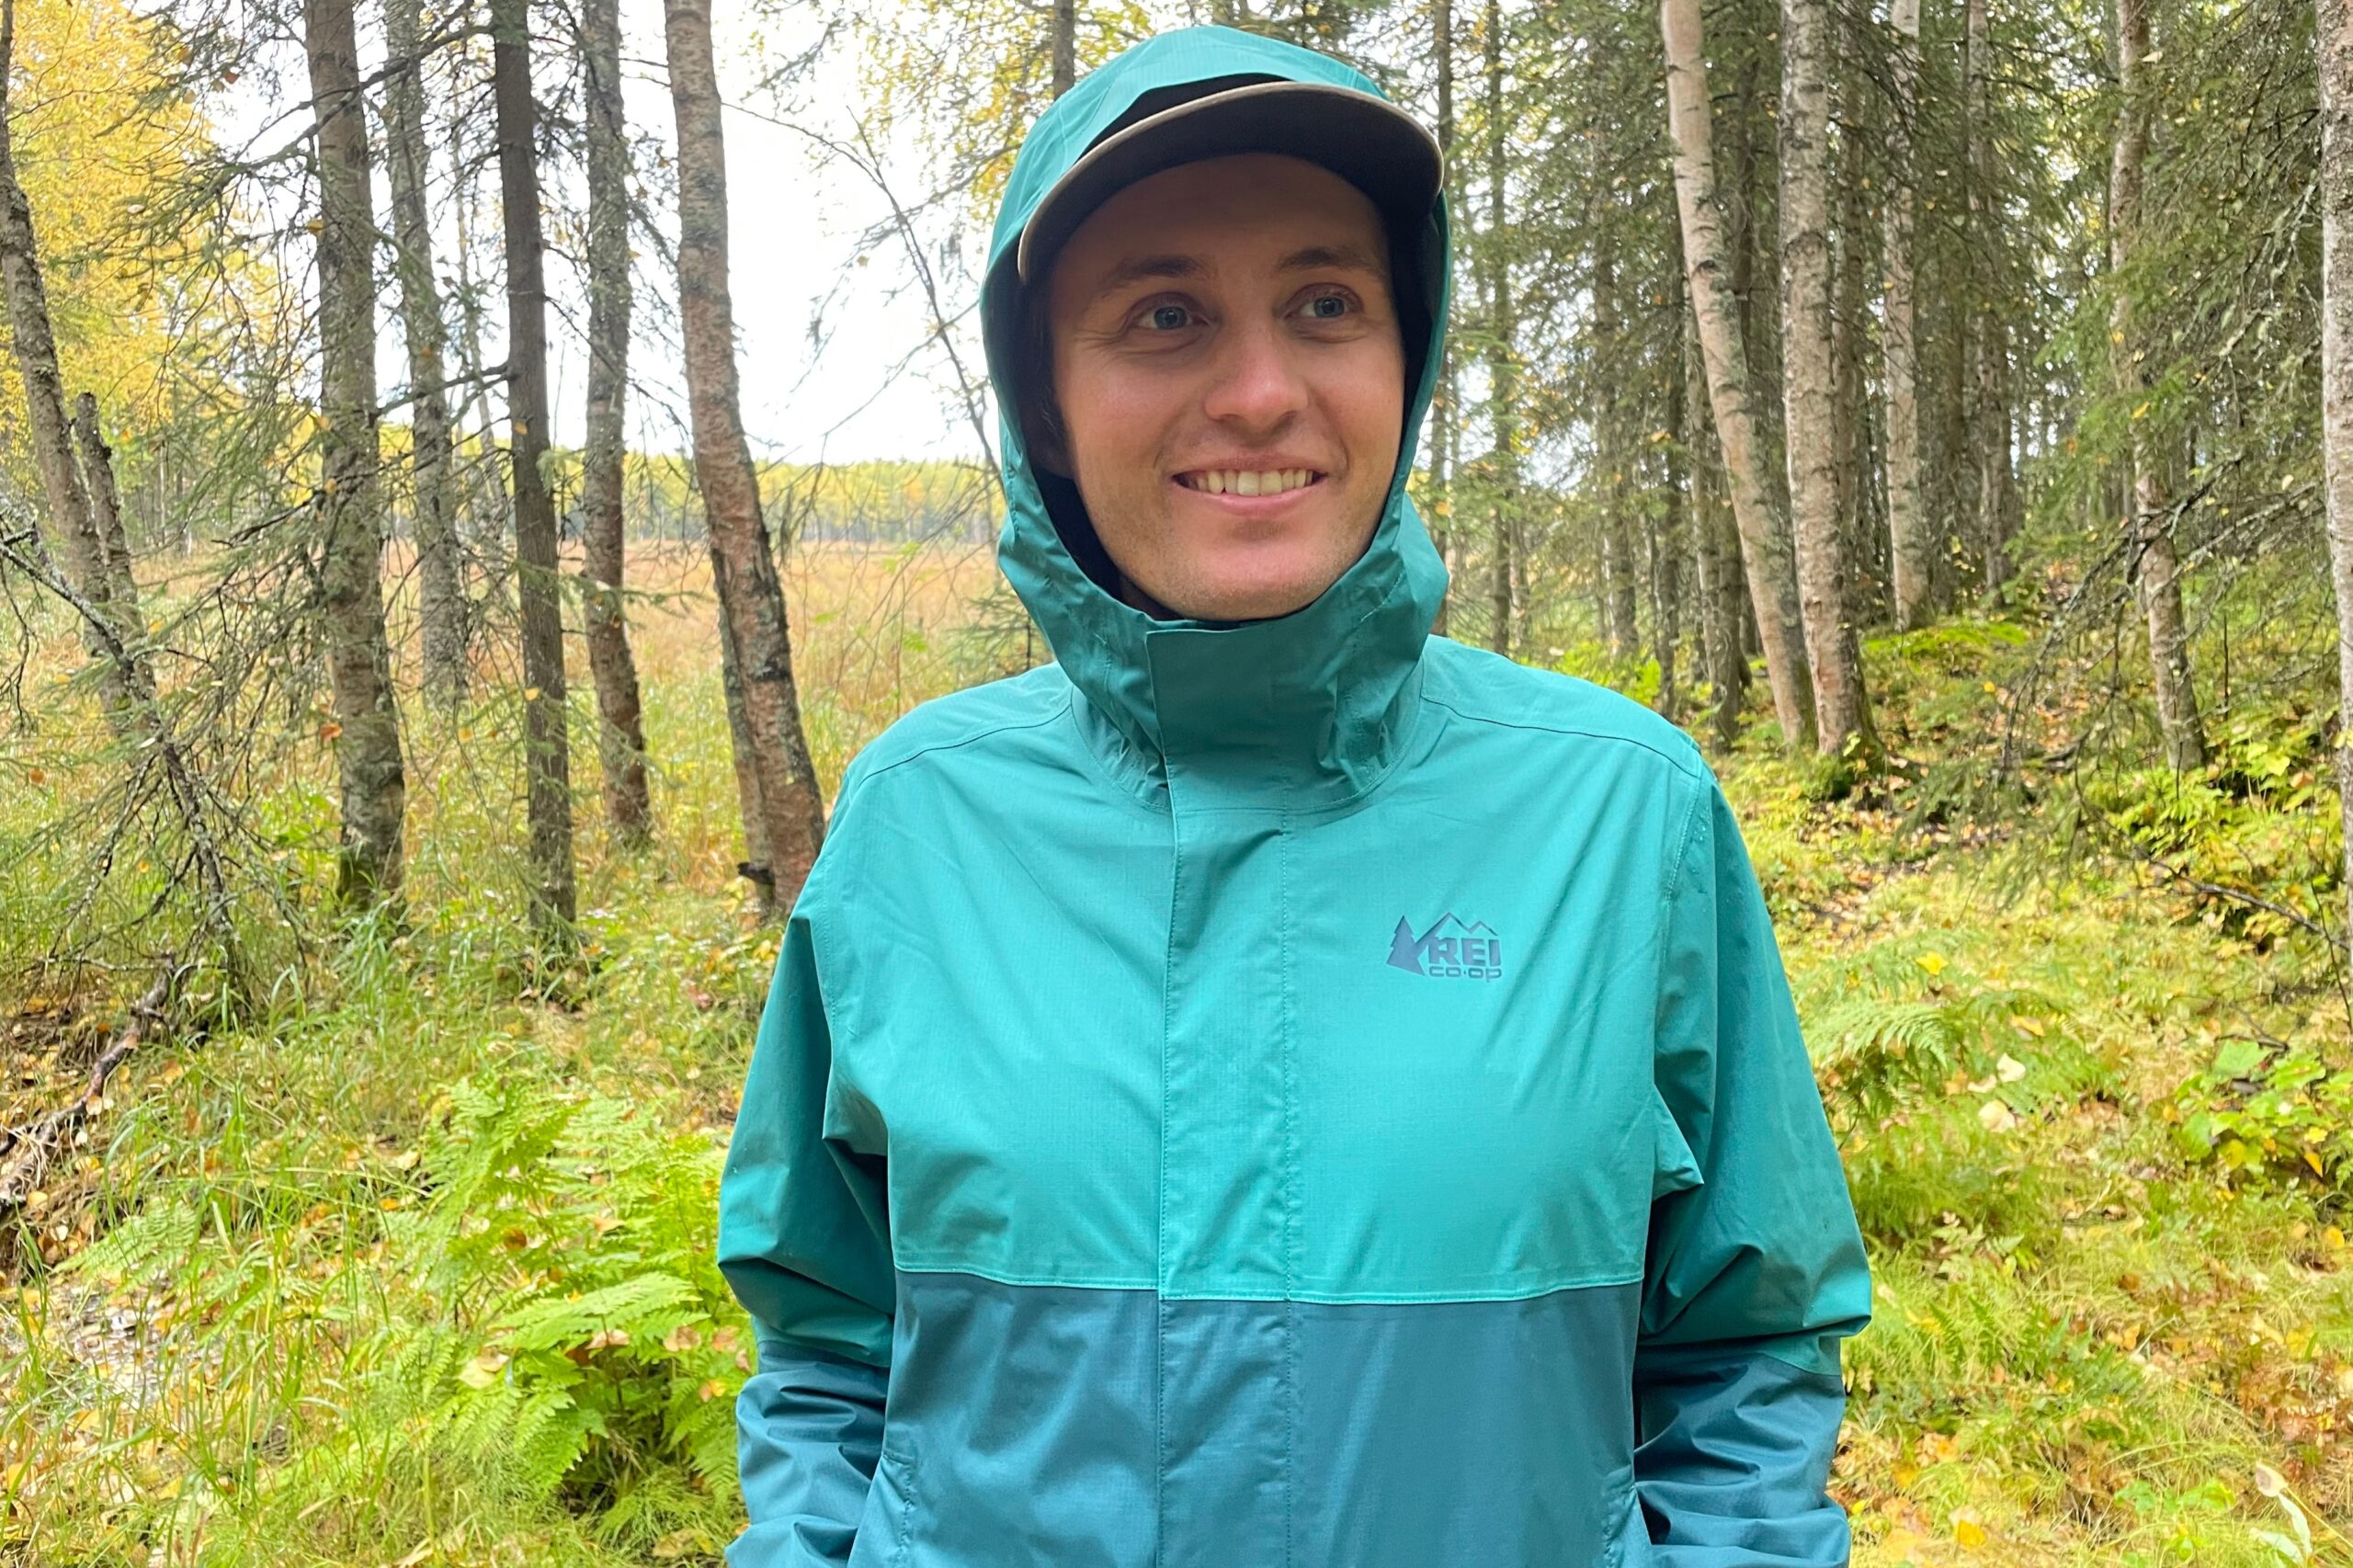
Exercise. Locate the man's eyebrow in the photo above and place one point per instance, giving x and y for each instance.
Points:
(1345, 258)
(1135, 268)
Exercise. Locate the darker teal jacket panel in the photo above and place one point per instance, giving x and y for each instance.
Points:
(1302, 1094)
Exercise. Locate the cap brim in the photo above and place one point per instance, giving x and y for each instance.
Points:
(1367, 141)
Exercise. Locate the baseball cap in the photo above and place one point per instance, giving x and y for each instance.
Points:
(1364, 139)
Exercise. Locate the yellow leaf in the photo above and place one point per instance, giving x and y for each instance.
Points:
(1966, 1531)
(530, 694)
(1933, 963)
(2313, 1160)
(2026, 1025)
(482, 1370)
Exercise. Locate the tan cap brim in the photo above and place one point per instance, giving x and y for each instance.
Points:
(1367, 141)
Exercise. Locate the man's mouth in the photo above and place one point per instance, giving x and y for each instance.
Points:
(1246, 481)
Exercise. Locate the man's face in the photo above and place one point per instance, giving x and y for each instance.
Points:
(1232, 382)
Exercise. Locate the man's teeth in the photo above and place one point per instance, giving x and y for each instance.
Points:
(1234, 481)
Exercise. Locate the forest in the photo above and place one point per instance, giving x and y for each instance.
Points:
(1941, 408)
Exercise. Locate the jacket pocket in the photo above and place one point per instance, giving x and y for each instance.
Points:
(885, 1529)
(1631, 1547)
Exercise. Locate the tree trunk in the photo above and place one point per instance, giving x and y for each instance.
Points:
(367, 743)
(1613, 454)
(2335, 43)
(1849, 409)
(2149, 533)
(547, 759)
(621, 734)
(488, 509)
(440, 573)
(1763, 532)
(1666, 533)
(1808, 435)
(1997, 490)
(1911, 541)
(74, 535)
(790, 811)
(1446, 412)
(1989, 338)
(105, 509)
(1716, 549)
(1502, 375)
(1066, 48)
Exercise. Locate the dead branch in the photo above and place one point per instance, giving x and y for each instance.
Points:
(27, 1152)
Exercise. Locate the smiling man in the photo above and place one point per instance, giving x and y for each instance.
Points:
(1225, 350)
(1272, 1087)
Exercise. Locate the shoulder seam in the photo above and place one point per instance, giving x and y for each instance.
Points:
(1056, 711)
(1679, 764)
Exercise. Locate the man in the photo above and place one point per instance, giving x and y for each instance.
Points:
(1272, 1087)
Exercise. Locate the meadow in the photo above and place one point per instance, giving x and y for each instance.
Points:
(413, 1266)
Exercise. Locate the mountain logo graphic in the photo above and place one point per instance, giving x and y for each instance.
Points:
(1452, 948)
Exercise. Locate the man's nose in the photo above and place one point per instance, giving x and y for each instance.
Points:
(1256, 384)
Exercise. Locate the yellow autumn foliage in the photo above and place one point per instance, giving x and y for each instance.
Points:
(968, 77)
(95, 145)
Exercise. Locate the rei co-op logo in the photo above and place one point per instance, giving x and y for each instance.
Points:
(1449, 950)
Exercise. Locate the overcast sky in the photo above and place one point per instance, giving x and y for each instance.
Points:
(874, 389)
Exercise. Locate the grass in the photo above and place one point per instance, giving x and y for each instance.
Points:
(412, 1267)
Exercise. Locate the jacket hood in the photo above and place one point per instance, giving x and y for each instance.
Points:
(1315, 704)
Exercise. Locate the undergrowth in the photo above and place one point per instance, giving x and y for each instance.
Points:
(415, 1266)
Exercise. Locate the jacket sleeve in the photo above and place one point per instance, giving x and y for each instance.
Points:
(1755, 1270)
(804, 1243)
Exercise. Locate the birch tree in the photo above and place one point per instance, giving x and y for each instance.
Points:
(74, 536)
(1763, 531)
(2149, 530)
(789, 809)
(1911, 546)
(1841, 715)
(2335, 44)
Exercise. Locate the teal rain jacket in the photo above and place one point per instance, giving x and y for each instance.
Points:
(1299, 1092)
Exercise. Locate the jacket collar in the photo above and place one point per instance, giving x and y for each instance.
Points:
(1311, 708)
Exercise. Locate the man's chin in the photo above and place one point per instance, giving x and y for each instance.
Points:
(1256, 598)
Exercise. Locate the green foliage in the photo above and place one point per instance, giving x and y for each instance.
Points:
(581, 1238)
(2246, 835)
(1910, 1022)
(2259, 1112)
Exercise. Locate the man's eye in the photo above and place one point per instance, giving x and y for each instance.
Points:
(1170, 318)
(1328, 306)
